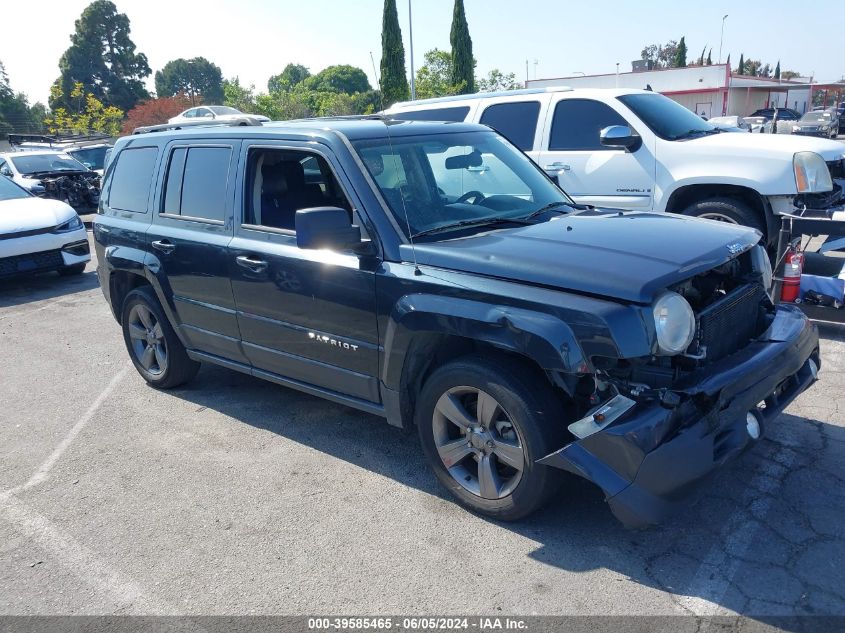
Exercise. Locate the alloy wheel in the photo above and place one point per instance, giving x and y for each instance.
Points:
(478, 443)
(718, 217)
(148, 343)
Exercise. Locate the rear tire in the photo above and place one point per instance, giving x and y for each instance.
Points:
(153, 346)
(491, 419)
(726, 210)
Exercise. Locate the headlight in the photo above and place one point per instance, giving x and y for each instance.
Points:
(761, 263)
(674, 323)
(824, 127)
(795, 128)
(811, 173)
(74, 224)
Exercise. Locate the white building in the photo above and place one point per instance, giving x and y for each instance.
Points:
(708, 90)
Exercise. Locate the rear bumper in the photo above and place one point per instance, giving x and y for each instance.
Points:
(650, 459)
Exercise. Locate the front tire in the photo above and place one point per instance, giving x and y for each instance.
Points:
(483, 424)
(728, 210)
(153, 346)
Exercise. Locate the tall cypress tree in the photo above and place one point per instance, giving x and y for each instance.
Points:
(394, 82)
(741, 69)
(463, 63)
(681, 54)
(777, 70)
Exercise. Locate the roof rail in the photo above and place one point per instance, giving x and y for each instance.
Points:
(245, 121)
(57, 138)
(484, 95)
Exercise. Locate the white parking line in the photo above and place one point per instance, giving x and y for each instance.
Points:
(44, 469)
(711, 583)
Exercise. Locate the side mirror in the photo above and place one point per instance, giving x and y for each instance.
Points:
(620, 136)
(326, 227)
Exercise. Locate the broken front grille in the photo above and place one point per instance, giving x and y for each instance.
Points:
(729, 324)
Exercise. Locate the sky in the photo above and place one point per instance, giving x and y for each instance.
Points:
(254, 39)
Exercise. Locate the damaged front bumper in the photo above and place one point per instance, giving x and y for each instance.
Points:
(651, 457)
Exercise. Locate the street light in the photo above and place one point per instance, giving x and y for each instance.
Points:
(722, 36)
(411, 46)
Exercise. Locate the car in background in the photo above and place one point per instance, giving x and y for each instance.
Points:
(38, 235)
(88, 149)
(214, 113)
(730, 124)
(52, 174)
(784, 114)
(824, 123)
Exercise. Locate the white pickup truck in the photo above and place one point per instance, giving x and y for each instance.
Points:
(636, 149)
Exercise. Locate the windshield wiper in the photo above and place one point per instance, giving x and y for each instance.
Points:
(473, 222)
(549, 207)
(695, 132)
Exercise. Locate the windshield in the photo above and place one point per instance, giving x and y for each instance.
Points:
(94, 157)
(666, 118)
(467, 178)
(36, 163)
(224, 110)
(816, 117)
(10, 191)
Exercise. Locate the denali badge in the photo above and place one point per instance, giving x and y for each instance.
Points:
(735, 249)
(319, 338)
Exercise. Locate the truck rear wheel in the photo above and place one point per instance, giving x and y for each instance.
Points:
(483, 423)
(726, 210)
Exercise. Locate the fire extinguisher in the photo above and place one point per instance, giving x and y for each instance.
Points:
(793, 266)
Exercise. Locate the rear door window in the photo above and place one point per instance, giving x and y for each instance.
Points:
(197, 179)
(454, 115)
(517, 122)
(131, 179)
(577, 123)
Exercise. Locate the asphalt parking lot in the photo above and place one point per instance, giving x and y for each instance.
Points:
(236, 496)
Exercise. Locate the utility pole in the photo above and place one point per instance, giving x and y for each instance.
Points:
(411, 43)
(722, 36)
(617, 74)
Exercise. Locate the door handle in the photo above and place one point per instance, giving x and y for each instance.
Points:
(164, 246)
(254, 265)
(558, 166)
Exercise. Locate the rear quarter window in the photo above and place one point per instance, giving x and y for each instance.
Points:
(517, 121)
(132, 178)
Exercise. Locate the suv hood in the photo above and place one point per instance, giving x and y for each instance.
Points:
(755, 145)
(629, 256)
(31, 213)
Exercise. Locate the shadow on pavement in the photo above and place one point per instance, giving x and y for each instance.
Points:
(30, 288)
(760, 540)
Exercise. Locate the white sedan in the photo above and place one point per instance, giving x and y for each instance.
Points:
(39, 235)
(214, 113)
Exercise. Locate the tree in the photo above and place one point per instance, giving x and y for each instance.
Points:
(199, 79)
(344, 78)
(237, 96)
(660, 55)
(496, 81)
(786, 75)
(777, 71)
(289, 78)
(16, 115)
(155, 112)
(434, 77)
(741, 68)
(92, 116)
(709, 57)
(393, 80)
(463, 63)
(102, 58)
(681, 54)
(701, 59)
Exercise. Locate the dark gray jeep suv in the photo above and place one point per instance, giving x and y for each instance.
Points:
(432, 274)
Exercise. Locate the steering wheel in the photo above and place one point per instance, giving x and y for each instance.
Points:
(475, 196)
